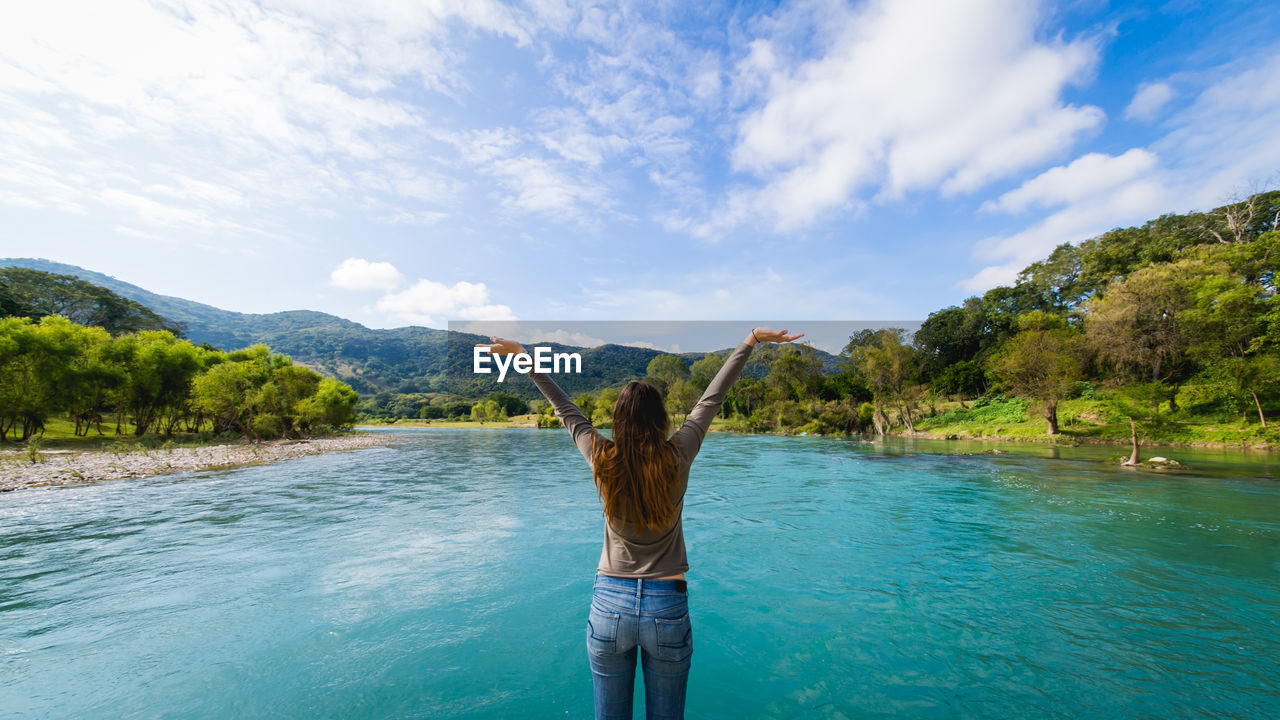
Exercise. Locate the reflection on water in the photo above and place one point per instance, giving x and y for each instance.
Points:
(448, 575)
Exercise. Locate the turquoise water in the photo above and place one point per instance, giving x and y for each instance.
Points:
(448, 575)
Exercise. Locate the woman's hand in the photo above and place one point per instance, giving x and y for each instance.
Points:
(498, 346)
(764, 334)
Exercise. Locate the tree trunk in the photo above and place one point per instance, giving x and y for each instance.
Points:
(1133, 458)
(1262, 418)
(1051, 414)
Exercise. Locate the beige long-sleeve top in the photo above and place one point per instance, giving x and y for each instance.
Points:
(634, 552)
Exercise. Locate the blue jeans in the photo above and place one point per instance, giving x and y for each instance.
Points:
(653, 616)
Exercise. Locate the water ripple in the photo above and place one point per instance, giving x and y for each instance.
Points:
(448, 576)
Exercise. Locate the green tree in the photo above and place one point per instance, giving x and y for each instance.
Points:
(952, 335)
(664, 370)
(333, 406)
(1229, 296)
(887, 363)
(1054, 284)
(38, 371)
(795, 372)
(1040, 362)
(224, 394)
(510, 404)
(703, 371)
(487, 411)
(94, 378)
(161, 369)
(1134, 325)
(681, 396)
(586, 404)
(40, 293)
(961, 380)
(746, 396)
(602, 416)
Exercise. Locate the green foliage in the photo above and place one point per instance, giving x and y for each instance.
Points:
(703, 371)
(1040, 362)
(1185, 306)
(487, 411)
(663, 371)
(37, 294)
(954, 335)
(889, 366)
(157, 382)
(509, 404)
(602, 416)
(982, 412)
(965, 378)
(455, 410)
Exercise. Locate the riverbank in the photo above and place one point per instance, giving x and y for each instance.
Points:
(1022, 430)
(1091, 422)
(1063, 439)
(518, 421)
(71, 467)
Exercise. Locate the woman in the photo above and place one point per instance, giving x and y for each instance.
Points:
(640, 598)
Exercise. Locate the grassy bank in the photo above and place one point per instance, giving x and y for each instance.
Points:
(1091, 421)
(1080, 421)
(59, 434)
(517, 421)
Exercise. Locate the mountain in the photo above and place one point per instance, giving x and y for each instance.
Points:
(405, 360)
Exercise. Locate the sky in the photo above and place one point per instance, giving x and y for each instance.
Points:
(418, 162)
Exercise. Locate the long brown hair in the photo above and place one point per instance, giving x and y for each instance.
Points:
(635, 470)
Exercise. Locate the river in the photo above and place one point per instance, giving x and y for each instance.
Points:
(448, 574)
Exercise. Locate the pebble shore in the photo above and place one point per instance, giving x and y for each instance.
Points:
(71, 467)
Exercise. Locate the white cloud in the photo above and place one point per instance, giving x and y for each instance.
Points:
(1136, 201)
(1226, 138)
(521, 332)
(215, 115)
(911, 95)
(673, 348)
(1148, 101)
(563, 337)
(155, 212)
(782, 294)
(141, 235)
(360, 274)
(424, 217)
(538, 187)
(426, 301)
(1084, 178)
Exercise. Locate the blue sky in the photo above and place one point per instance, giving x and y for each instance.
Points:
(401, 162)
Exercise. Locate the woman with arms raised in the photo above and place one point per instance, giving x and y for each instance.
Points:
(640, 597)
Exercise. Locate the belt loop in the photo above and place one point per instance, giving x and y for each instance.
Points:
(639, 587)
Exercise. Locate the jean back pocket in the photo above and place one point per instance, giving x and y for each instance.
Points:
(675, 638)
(602, 631)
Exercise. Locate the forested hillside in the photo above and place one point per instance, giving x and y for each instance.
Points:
(1169, 330)
(408, 360)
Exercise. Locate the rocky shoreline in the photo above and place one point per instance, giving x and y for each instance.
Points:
(70, 467)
